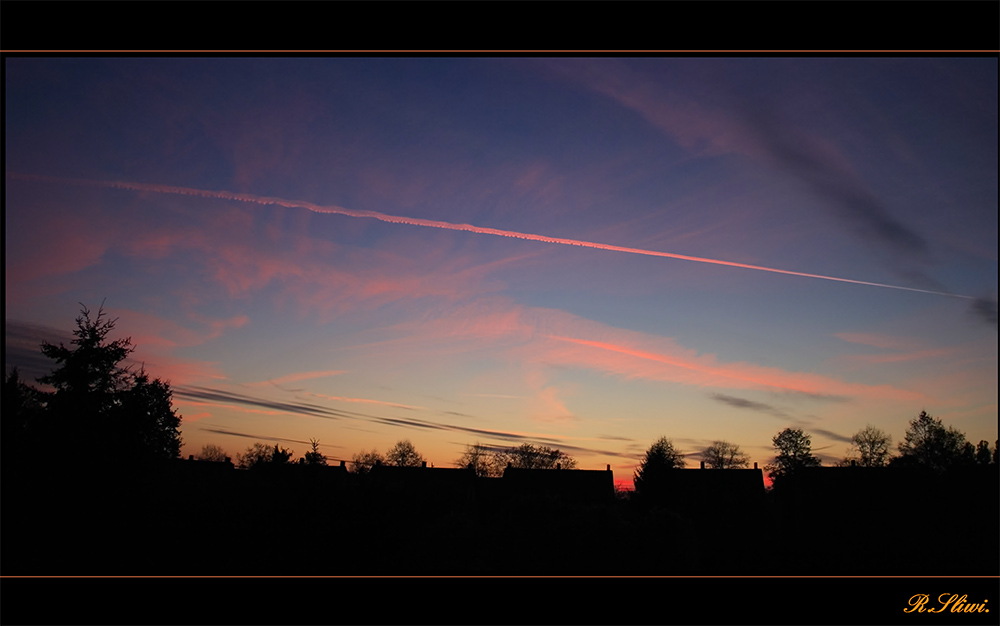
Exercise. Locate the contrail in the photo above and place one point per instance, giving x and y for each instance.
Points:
(413, 221)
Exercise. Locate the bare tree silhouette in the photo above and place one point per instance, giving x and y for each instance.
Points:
(870, 447)
(725, 455)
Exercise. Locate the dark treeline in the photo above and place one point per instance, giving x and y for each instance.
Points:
(933, 509)
(201, 517)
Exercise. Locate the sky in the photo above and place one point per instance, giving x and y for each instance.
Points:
(582, 253)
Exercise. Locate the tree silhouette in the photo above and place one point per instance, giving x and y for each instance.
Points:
(983, 454)
(794, 452)
(968, 454)
(98, 403)
(403, 454)
(260, 454)
(528, 456)
(725, 455)
(281, 456)
(363, 462)
(91, 369)
(23, 409)
(491, 462)
(661, 457)
(212, 452)
(144, 422)
(256, 454)
(929, 444)
(481, 459)
(870, 447)
(314, 456)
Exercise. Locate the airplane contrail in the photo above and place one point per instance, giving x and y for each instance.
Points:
(414, 221)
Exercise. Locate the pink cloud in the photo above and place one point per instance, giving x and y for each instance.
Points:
(692, 125)
(176, 371)
(160, 243)
(325, 281)
(268, 269)
(321, 277)
(551, 408)
(960, 384)
(152, 331)
(705, 129)
(905, 349)
(540, 338)
(687, 367)
(60, 244)
(155, 338)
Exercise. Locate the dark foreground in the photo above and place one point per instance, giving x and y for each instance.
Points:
(146, 521)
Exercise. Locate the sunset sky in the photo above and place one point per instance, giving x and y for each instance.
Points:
(586, 254)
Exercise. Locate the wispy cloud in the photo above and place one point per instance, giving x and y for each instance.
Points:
(825, 173)
(829, 434)
(761, 407)
(874, 359)
(904, 349)
(159, 334)
(754, 131)
(23, 350)
(231, 433)
(397, 219)
(816, 397)
(367, 401)
(687, 367)
(743, 403)
(540, 339)
(986, 310)
(225, 398)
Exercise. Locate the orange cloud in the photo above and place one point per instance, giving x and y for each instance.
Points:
(189, 418)
(365, 401)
